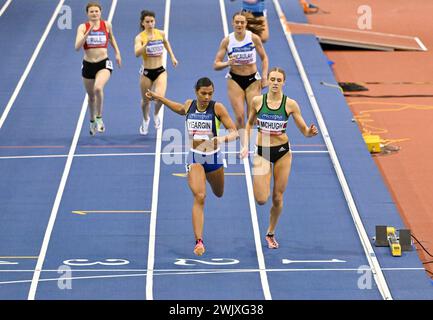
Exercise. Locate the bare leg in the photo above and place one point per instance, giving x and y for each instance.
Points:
(254, 89)
(89, 85)
(216, 181)
(197, 184)
(281, 177)
(160, 85)
(101, 80)
(237, 100)
(261, 179)
(145, 84)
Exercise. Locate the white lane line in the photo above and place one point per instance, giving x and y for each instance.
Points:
(252, 204)
(224, 18)
(256, 230)
(5, 6)
(157, 169)
(363, 236)
(55, 209)
(126, 154)
(214, 270)
(30, 64)
(192, 273)
(34, 157)
(59, 195)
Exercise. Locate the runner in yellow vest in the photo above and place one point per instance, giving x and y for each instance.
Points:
(150, 44)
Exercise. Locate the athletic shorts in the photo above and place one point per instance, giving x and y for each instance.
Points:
(273, 154)
(90, 69)
(243, 81)
(210, 162)
(152, 74)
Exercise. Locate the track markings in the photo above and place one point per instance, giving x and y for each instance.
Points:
(157, 169)
(287, 261)
(133, 154)
(87, 262)
(30, 64)
(184, 175)
(189, 272)
(2, 258)
(362, 233)
(251, 201)
(86, 212)
(62, 185)
(214, 261)
(5, 6)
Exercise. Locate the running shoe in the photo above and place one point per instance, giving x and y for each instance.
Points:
(93, 128)
(272, 243)
(100, 125)
(144, 128)
(199, 247)
(157, 122)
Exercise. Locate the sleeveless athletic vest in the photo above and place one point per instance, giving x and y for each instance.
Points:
(202, 125)
(243, 51)
(273, 122)
(155, 47)
(97, 38)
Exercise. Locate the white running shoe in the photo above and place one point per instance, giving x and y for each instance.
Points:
(157, 121)
(100, 125)
(144, 128)
(93, 128)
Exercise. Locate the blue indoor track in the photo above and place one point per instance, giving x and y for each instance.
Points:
(109, 216)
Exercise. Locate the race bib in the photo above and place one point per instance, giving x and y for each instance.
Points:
(272, 124)
(154, 48)
(96, 38)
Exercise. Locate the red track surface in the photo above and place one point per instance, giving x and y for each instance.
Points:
(404, 122)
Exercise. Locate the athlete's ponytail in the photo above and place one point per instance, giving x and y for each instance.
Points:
(255, 25)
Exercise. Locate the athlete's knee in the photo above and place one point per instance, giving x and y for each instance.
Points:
(261, 199)
(98, 89)
(277, 200)
(199, 197)
(261, 202)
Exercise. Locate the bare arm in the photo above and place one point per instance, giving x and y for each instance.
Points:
(114, 44)
(173, 105)
(82, 35)
(139, 46)
(264, 57)
(299, 121)
(218, 63)
(257, 100)
(169, 50)
(228, 123)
